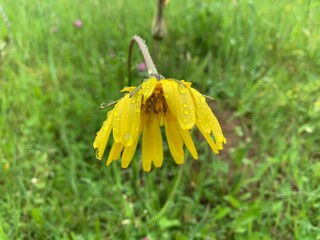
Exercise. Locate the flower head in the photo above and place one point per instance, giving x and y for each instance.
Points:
(157, 103)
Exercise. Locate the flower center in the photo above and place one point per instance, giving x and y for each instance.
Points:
(156, 103)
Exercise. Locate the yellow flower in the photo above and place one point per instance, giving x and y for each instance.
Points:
(143, 110)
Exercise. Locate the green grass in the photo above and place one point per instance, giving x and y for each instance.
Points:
(259, 59)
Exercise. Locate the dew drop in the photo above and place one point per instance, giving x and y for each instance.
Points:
(182, 89)
(126, 137)
(185, 105)
(186, 112)
(202, 99)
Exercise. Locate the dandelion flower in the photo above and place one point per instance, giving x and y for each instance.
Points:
(158, 102)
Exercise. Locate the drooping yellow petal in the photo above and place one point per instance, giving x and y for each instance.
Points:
(189, 142)
(180, 102)
(157, 151)
(215, 127)
(143, 121)
(152, 149)
(203, 111)
(206, 119)
(217, 132)
(117, 116)
(174, 138)
(128, 153)
(114, 152)
(127, 119)
(102, 136)
(147, 147)
(209, 139)
(128, 89)
(130, 120)
(147, 88)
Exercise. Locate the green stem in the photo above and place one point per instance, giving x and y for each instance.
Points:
(146, 56)
(7, 23)
(167, 204)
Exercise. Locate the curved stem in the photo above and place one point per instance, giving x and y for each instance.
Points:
(146, 56)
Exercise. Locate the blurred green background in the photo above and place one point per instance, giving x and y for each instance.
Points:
(260, 60)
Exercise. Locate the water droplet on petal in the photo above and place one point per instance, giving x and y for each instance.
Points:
(182, 89)
(126, 137)
(186, 112)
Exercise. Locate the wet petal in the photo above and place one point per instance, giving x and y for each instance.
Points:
(117, 116)
(210, 141)
(147, 147)
(203, 111)
(189, 142)
(115, 152)
(180, 102)
(127, 119)
(174, 138)
(128, 153)
(128, 89)
(217, 132)
(147, 88)
(102, 136)
(157, 152)
(152, 149)
(130, 120)
(206, 119)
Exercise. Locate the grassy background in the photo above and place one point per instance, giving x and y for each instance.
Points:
(259, 59)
